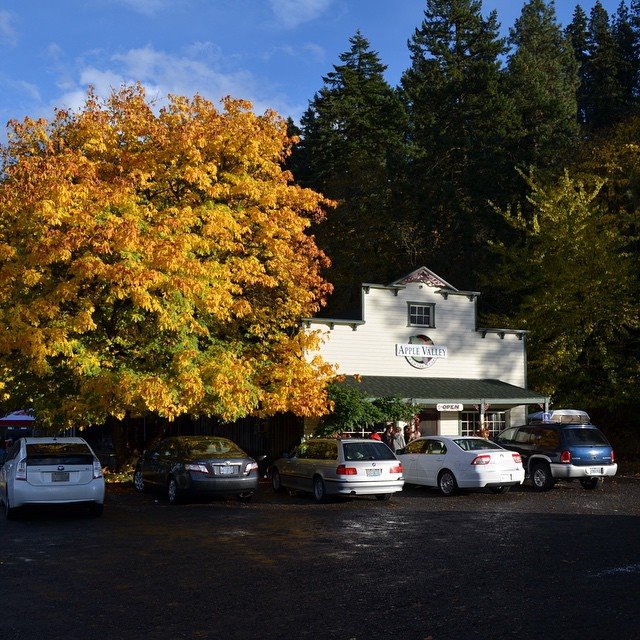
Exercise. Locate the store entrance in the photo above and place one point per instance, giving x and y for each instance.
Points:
(429, 422)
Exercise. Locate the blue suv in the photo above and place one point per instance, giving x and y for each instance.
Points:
(561, 445)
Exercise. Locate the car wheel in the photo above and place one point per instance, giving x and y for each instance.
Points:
(173, 494)
(541, 477)
(383, 497)
(591, 483)
(138, 482)
(501, 489)
(319, 491)
(9, 511)
(447, 483)
(276, 480)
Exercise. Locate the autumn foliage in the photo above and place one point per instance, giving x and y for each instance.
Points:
(157, 261)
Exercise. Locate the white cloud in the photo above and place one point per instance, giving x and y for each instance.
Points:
(8, 35)
(292, 13)
(162, 74)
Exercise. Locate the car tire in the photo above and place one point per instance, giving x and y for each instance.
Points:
(591, 483)
(173, 493)
(383, 497)
(447, 483)
(138, 481)
(500, 489)
(541, 477)
(276, 481)
(319, 490)
(10, 512)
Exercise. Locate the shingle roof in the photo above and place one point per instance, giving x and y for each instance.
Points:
(434, 390)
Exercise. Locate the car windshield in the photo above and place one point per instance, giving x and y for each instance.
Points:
(476, 444)
(367, 451)
(587, 437)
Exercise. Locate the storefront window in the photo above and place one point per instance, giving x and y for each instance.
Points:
(495, 422)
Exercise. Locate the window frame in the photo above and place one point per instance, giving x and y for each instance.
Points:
(424, 305)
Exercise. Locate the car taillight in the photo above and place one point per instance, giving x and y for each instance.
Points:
(613, 456)
(197, 468)
(21, 470)
(343, 470)
(97, 469)
(396, 469)
(517, 458)
(483, 459)
(565, 457)
(251, 466)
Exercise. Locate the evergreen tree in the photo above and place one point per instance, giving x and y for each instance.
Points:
(604, 96)
(627, 42)
(576, 33)
(351, 150)
(542, 82)
(457, 129)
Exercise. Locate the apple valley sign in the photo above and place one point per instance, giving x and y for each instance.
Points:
(420, 352)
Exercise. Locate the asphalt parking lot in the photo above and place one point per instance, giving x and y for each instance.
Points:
(564, 564)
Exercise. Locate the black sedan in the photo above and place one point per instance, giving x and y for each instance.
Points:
(209, 466)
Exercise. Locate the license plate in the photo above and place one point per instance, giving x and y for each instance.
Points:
(596, 471)
(60, 476)
(227, 471)
(505, 477)
(374, 472)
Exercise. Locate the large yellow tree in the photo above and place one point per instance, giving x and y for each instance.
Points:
(157, 261)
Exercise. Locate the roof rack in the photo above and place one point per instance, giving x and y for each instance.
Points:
(575, 416)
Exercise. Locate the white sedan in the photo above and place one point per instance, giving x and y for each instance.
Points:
(465, 462)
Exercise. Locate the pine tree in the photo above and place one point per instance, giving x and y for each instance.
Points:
(351, 150)
(604, 96)
(576, 33)
(457, 128)
(627, 42)
(542, 82)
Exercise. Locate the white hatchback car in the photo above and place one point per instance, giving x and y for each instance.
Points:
(465, 462)
(45, 471)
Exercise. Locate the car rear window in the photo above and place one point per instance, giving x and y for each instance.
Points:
(367, 451)
(213, 448)
(588, 437)
(476, 444)
(58, 453)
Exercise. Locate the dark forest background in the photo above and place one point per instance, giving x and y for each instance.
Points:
(507, 165)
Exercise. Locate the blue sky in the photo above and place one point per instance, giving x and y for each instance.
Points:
(272, 52)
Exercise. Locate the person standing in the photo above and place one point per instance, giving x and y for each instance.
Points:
(387, 436)
(398, 440)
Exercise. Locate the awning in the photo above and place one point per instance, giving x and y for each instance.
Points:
(431, 391)
(17, 419)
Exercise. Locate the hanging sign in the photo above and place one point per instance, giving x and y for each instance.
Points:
(449, 407)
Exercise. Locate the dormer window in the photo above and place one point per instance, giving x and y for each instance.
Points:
(422, 315)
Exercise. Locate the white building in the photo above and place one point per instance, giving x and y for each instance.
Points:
(418, 339)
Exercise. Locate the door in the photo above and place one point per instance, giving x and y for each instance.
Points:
(431, 462)
(411, 460)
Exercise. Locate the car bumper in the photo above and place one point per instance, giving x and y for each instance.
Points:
(342, 488)
(24, 494)
(480, 478)
(222, 486)
(588, 471)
